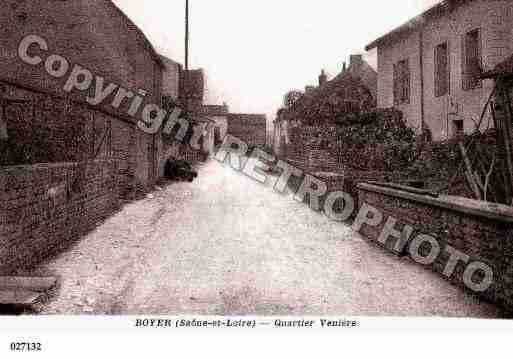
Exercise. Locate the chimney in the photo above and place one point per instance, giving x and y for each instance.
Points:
(322, 78)
(309, 89)
(356, 60)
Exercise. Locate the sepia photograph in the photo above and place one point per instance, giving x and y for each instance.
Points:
(237, 166)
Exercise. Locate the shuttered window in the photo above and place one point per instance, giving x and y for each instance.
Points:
(442, 70)
(472, 64)
(402, 82)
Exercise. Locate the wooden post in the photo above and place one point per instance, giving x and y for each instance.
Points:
(469, 172)
(3, 121)
(504, 116)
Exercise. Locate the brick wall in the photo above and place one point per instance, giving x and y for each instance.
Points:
(44, 208)
(478, 229)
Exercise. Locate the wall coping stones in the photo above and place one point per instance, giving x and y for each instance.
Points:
(468, 206)
(328, 175)
(54, 165)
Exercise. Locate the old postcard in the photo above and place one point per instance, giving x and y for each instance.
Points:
(327, 166)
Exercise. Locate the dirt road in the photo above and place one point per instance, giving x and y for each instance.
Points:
(225, 245)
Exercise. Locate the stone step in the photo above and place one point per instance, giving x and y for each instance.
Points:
(32, 284)
(18, 297)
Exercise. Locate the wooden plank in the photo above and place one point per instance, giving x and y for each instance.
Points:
(34, 284)
(18, 297)
(469, 172)
(508, 143)
(414, 190)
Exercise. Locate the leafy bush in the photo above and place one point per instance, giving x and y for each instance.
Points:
(378, 140)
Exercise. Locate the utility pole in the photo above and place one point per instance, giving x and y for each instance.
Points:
(186, 35)
(186, 75)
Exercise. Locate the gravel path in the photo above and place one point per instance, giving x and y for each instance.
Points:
(225, 245)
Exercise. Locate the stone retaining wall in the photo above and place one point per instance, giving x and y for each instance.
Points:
(344, 181)
(481, 230)
(44, 207)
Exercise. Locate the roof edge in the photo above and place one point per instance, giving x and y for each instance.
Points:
(415, 23)
(152, 50)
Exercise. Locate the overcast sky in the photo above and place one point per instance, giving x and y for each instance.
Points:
(253, 52)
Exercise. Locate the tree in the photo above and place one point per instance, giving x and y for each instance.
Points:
(291, 98)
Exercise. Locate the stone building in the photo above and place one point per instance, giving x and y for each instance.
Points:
(171, 82)
(186, 89)
(219, 115)
(430, 67)
(192, 99)
(280, 134)
(96, 35)
(64, 160)
(249, 128)
(171, 75)
(361, 69)
(354, 89)
(192, 91)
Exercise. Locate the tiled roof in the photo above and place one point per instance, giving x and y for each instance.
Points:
(215, 110)
(246, 117)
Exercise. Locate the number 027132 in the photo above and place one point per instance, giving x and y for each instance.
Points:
(25, 347)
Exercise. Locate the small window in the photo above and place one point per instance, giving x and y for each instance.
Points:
(472, 64)
(351, 106)
(402, 82)
(442, 70)
(458, 127)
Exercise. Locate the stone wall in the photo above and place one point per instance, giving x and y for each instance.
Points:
(92, 33)
(171, 78)
(45, 207)
(192, 155)
(481, 230)
(97, 35)
(249, 128)
(374, 141)
(344, 181)
(31, 112)
(309, 151)
(349, 180)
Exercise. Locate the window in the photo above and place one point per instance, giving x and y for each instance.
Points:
(402, 82)
(458, 127)
(472, 64)
(218, 140)
(442, 70)
(351, 106)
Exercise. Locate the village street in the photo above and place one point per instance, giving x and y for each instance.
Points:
(225, 245)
